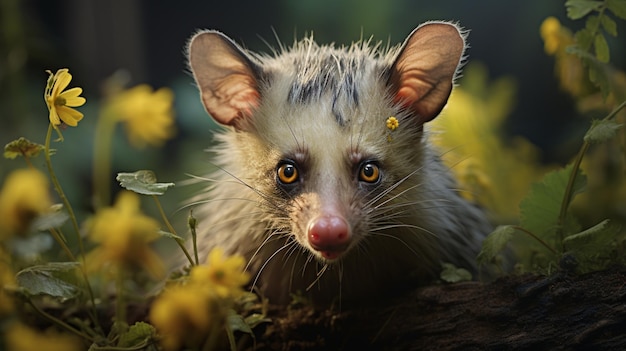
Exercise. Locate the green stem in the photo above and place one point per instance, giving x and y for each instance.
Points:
(120, 302)
(171, 228)
(61, 241)
(60, 322)
(567, 197)
(192, 222)
(537, 238)
(70, 210)
(103, 138)
(59, 190)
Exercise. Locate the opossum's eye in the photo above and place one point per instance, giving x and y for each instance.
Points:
(369, 172)
(287, 173)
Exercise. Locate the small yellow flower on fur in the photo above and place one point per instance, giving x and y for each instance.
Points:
(124, 234)
(180, 315)
(392, 123)
(23, 197)
(224, 275)
(147, 115)
(22, 338)
(60, 102)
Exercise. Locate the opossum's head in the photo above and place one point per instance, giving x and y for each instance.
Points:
(315, 132)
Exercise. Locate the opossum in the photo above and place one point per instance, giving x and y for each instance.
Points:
(327, 182)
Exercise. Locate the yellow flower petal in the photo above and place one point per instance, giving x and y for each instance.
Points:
(54, 117)
(72, 98)
(69, 116)
(62, 81)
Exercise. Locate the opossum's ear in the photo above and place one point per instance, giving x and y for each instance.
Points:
(423, 73)
(226, 77)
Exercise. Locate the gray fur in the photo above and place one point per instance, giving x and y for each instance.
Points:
(325, 108)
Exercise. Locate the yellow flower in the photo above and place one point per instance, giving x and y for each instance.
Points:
(181, 315)
(568, 67)
(224, 275)
(23, 197)
(22, 338)
(148, 117)
(553, 35)
(7, 278)
(124, 234)
(60, 102)
(392, 123)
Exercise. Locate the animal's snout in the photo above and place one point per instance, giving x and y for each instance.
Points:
(329, 235)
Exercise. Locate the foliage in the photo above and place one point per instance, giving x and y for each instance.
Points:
(550, 233)
(493, 170)
(114, 246)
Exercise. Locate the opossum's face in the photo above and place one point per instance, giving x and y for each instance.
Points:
(312, 135)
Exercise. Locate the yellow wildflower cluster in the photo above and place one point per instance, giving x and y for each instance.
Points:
(23, 197)
(184, 314)
(123, 234)
(147, 115)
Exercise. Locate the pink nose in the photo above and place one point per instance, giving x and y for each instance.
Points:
(330, 235)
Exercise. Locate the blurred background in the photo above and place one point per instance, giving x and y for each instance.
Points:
(145, 41)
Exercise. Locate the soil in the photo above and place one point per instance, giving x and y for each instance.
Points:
(530, 312)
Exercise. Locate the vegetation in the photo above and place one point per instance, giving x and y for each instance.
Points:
(108, 289)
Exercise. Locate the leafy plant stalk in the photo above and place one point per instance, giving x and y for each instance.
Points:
(171, 229)
(59, 190)
(58, 236)
(70, 210)
(539, 240)
(192, 222)
(59, 322)
(567, 198)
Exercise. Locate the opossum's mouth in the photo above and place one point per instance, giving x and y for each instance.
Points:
(332, 253)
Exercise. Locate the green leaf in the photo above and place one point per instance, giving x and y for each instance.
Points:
(602, 48)
(602, 130)
(453, 274)
(618, 7)
(609, 25)
(592, 23)
(171, 236)
(540, 209)
(595, 248)
(22, 147)
(139, 333)
(256, 318)
(494, 243)
(143, 182)
(51, 220)
(236, 322)
(598, 76)
(584, 38)
(57, 279)
(577, 9)
(32, 246)
(590, 236)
